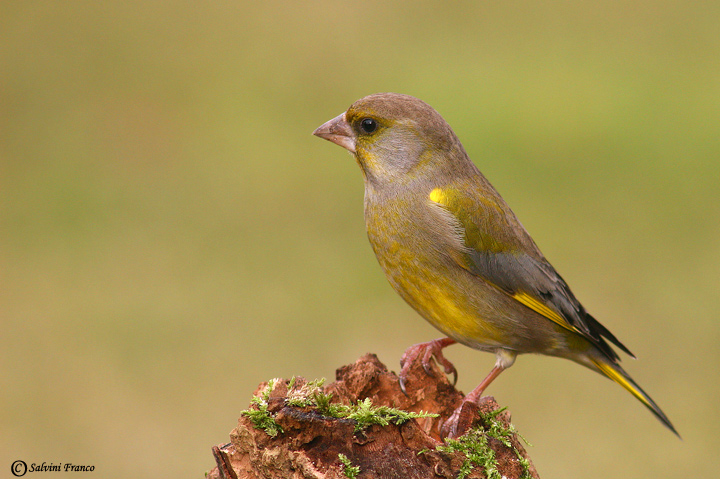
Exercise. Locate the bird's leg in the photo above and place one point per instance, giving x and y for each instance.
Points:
(426, 351)
(462, 418)
(476, 393)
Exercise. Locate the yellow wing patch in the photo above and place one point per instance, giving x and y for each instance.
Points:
(438, 196)
(540, 308)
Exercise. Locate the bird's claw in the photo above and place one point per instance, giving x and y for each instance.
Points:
(428, 368)
(426, 351)
(460, 420)
(448, 367)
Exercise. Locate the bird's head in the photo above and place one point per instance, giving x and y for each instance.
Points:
(394, 137)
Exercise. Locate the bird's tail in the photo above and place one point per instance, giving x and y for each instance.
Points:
(617, 374)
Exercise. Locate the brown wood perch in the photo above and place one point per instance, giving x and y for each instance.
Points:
(309, 443)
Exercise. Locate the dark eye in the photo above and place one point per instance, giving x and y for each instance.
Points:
(368, 125)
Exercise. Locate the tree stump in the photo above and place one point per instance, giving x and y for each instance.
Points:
(363, 426)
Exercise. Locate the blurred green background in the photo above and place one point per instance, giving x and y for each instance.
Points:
(172, 234)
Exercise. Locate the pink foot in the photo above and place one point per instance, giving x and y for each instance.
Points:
(426, 351)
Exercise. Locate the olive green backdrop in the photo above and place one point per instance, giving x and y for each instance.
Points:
(172, 234)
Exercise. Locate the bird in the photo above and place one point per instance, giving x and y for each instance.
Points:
(453, 249)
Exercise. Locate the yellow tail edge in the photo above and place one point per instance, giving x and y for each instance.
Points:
(616, 373)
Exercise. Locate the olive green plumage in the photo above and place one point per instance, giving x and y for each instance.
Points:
(453, 249)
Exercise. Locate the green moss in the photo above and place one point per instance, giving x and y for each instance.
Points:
(365, 414)
(349, 470)
(260, 416)
(498, 430)
(474, 445)
(304, 396)
(311, 395)
(476, 448)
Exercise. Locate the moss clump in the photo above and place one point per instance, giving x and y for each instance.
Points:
(311, 395)
(260, 416)
(475, 446)
(364, 413)
(305, 395)
(349, 470)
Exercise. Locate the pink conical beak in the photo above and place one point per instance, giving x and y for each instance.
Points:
(338, 131)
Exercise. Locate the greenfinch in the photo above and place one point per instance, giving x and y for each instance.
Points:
(454, 251)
